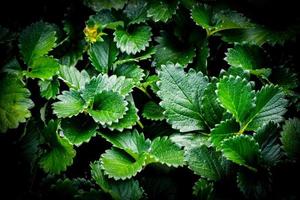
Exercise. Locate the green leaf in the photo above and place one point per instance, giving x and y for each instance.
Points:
(132, 143)
(285, 77)
(201, 14)
(78, 129)
(36, 40)
(180, 93)
(270, 106)
(70, 104)
(207, 162)
(98, 5)
(166, 152)
(12, 67)
(128, 121)
(153, 111)
(202, 55)
(243, 150)
(49, 88)
(290, 137)
(235, 71)
(169, 50)
(134, 40)
(162, 10)
(104, 19)
(223, 131)
(236, 96)
(119, 165)
(130, 70)
(71, 58)
(73, 77)
(190, 140)
(43, 67)
(136, 11)
(204, 189)
(60, 153)
(14, 103)
(103, 54)
(108, 107)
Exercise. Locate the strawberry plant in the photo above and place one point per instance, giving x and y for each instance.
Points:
(147, 99)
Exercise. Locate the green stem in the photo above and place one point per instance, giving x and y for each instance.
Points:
(145, 92)
(140, 124)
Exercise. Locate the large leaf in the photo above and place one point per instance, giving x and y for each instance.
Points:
(73, 77)
(134, 40)
(103, 54)
(243, 150)
(70, 104)
(14, 103)
(180, 93)
(207, 162)
(290, 137)
(108, 107)
(43, 67)
(162, 10)
(36, 40)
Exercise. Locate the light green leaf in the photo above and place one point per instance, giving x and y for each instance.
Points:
(243, 150)
(162, 10)
(73, 77)
(153, 111)
(108, 107)
(166, 152)
(49, 88)
(290, 137)
(36, 40)
(60, 153)
(119, 165)
(180, 93)
(43, 67)
(207, 162)
(98, 5)
(237, 97)
(103, 54)
(136, 11)
(130, 70)
(190, 140)
(14, 103)
(204, 190)
(70, 104)
(78, 129)
(134, 40)
(235, 71)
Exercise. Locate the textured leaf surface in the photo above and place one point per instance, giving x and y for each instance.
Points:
(162, 10)
(73, 77)
(49, 88)
(130, 70)
(203, 189)
(36, 40)
(14, 103)
(180, 93)
(290, 137)
(133, 41)
(43, 67)
(70, 104)
(98, 5)
(153, 111)
(136, 11)
(202, 14)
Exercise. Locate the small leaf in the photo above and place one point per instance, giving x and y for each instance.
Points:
(43, 67)
(136, 11)
(134, 40)
(243, 150)
(130, 70)
(290, 137)
(49, 88)
(162, 10)
(204, 189)
(70, 104)
(98, 5)
(153, 111)
(73, 77)
(201, 14)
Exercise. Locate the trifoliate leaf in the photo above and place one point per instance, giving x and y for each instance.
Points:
(236, 96)
(134, 40)
(70, 104)
(212, 111)
(136, 11)
(169, 50)
(153, 111)
(98, 5)
(15, 103)
(73, 77)
(49, 88)
(43, 67)
(180, 93)
(36, 40)
(128, 121)
(166, 152)
(78, 129)
(270, 106)
(108, 107)
(130, 70)
(204, 189)
(119, 165)
(290, 137)
(103, 54)
(132, 143)
(60, 153)
(207, 162)
(162, 10)
(222, 131)
(243, 150)
(267, 138)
